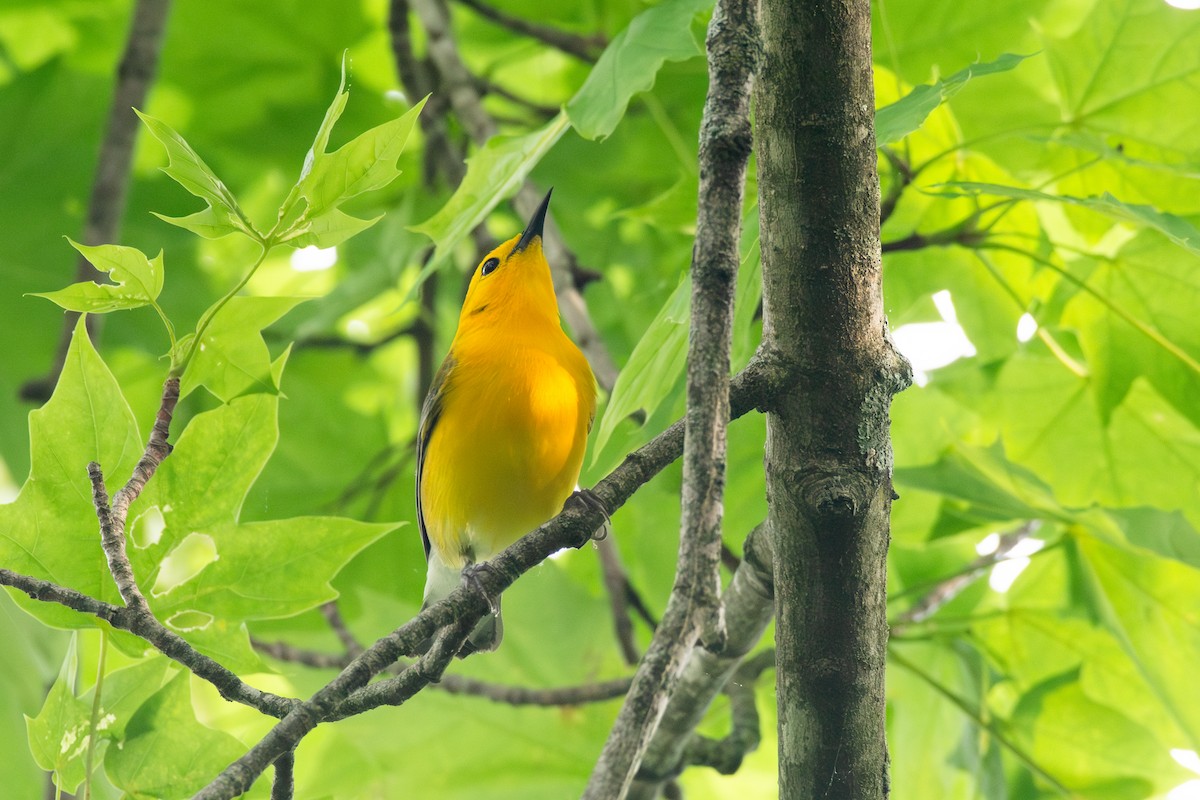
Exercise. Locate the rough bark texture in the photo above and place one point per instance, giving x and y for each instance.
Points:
(828, 456)
(694, 610)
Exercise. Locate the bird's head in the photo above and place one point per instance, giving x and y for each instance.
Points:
(514, 278)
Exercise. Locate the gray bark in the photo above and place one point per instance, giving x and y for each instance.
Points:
(828, 456)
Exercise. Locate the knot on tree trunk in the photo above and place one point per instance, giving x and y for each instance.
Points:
(835, 495)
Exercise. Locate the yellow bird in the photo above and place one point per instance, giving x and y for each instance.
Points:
(505, 423)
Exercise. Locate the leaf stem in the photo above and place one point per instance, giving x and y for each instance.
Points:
(976, 716)
(179, 366)
(1151, 333)
(89, 761)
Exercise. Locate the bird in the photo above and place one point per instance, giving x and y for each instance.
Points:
(504, 426)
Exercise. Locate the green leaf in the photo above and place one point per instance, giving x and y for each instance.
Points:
(232, 357)
(190, 172)
(167, 752)
(327, 180)
(58, 735)
(50, 530)
(981, 487)
(137, 280)
(265, 570)
(206, 222)
(1167, 533)
(493, 174)
(654, 367)
(1148, 603)
(895, 121)
(1177, 229)
(1091, 748)
(365, 163)
(1128, 68)
(631, 62)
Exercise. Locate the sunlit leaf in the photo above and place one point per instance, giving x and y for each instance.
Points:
(654, 367)
(493, 174)
(189, 170)
(137, 280)
(895, 121)
(630, 63)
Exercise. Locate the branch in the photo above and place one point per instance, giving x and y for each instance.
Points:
(694, 609)
(458, 684)
(112, 519)
(285, 783)
(946, 590)
(460, 86)
(754, 387)
(748, 604)
(585, 48)
(136, 616)
(616, 583)
(144, 625)
(110, 185)
(725, 755)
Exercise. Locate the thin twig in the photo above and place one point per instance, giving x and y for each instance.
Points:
(333, 616)
(144, 625)
(694, 610)
(585, 48)
(284, 784)
(458, 684)
(113, 518)
(616, 583)
(110, 185)
(946, 590)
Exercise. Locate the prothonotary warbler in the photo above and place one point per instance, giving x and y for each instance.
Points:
(505, 423)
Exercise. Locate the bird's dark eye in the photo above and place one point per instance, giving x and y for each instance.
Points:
(489, 266)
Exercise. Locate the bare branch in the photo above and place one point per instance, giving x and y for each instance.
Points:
(616, 583)
(143, 624)
(106, 205)
(945, 591)
(333, 616)
(585, 48)
(458, 684)
(694, 609)
(285, 784)
(725, 755)
(749, 604)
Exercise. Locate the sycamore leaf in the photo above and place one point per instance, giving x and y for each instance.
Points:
(137, 280)
(58, 735)
(493, 174)
(1177, 229)
(189, 170)
(148, 765)
(310, 215)
(232, 357)
(631, 62)
(895, 121)
(87, 419)
(654, 366)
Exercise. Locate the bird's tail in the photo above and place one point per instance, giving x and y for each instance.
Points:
(440, 581)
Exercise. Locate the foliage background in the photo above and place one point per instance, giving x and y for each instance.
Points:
(1076, 679)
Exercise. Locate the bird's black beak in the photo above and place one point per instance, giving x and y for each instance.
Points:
(534, 229)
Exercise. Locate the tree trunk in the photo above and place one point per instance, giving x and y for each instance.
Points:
(828, 456)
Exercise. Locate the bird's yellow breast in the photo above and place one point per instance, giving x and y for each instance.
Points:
(509, 441)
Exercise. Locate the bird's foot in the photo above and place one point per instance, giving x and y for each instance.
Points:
(471, 573)
(591, 500)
